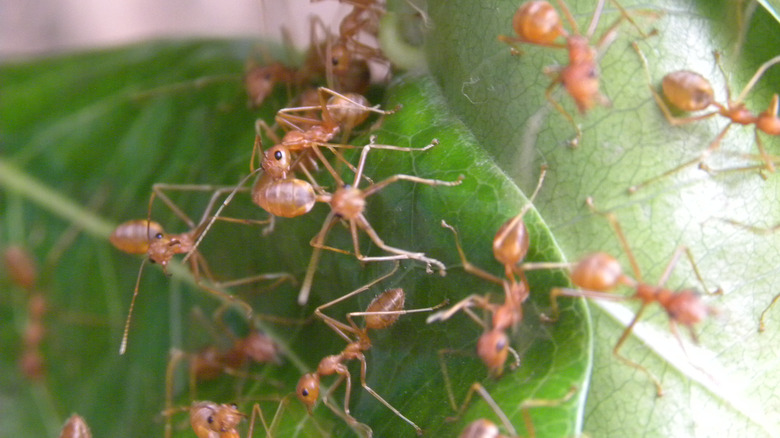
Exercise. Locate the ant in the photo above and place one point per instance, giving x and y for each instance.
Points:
(381, 313)
(689, 91)
(345, 57)
(75, 427)
(510, 246)
(538, 23)
(146, 236)
(599, 273)
(348, 202)
(215, 420)
(23, 271)
(483, 428)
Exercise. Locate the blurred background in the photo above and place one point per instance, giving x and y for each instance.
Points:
(36, 28)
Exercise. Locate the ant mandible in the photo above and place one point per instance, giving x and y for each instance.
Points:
(689, 91)
(538, 23)
(599, 273)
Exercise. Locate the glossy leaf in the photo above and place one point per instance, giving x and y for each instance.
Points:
(84, 138)
(501, 100)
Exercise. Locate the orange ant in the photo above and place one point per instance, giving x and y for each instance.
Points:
(599, 273)
(381, 313)
(689, 91)
(345, 57)
(211, 362)
(214, 420)
(75, 427)
(146, 236)
(348, 202)
(510, 246)
(484, 428)
(537, 22)
(23, 270)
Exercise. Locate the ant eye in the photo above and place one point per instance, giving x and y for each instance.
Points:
(158, 236)
(278, 155)
(335, 61)
(500, 345)
(234, 406)
(305, 392)
(210, 419)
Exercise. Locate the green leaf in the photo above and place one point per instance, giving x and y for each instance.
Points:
(501, 100)
(85, 136)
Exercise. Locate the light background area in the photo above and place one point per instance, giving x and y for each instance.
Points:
(31, 28)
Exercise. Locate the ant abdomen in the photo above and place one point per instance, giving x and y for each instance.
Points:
(537, 22)
(133, 236)
(289, 197)
(391, 300)
(598, 272)
(510, 245)
(687, 90)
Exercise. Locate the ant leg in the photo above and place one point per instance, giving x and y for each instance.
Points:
(176, 357)
(217, 213)
(303, 294)
(339, 326)
(698, 160)
(467, 266)
(478, 388)
(762, 320)
(379, 397)
(123, 345)
(548, 95)
(363, 224)
(756, 76)
(577, 293)
(462, 305)
(629, 362)
(613, 222)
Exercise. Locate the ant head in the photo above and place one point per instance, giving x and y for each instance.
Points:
(687, 90)
(225, 418)
(277, 161)
(537, 22)
(391, 300)
(162, 249)
(340, 59)
(598, 272)
(259, 82)
(308, 390)
(510, 245)
(493, 349)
